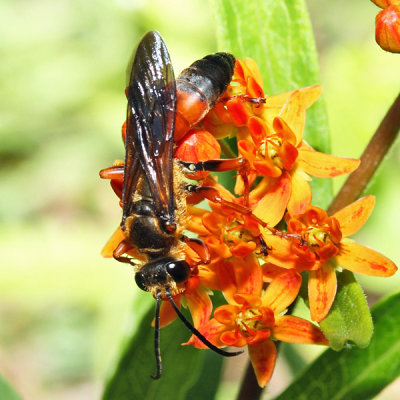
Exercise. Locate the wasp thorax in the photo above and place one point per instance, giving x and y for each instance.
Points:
(162, 272)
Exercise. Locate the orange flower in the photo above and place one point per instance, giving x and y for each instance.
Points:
(275, 149)
(326, 248)
(255, 319)
(270, 138)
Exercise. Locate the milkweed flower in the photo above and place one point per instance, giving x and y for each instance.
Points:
(256, 318)
(326, 247)
(270, 138)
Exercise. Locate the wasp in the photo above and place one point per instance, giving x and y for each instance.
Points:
(151, 182)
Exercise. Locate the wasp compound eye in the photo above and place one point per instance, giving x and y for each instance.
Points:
(178, 269)
(141, 280)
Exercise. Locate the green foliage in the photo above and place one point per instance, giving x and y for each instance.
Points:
(355, 373)
(349, 320)
(6, 391)
(186, 368)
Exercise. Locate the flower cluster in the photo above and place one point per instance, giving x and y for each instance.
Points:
(257, 267)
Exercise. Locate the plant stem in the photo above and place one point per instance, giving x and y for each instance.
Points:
(249, 389)
(370, 160)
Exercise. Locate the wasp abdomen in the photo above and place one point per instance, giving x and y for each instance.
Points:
(199, 88)
(146, 231)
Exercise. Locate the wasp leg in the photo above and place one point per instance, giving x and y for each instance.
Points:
(245, 97)
(123, 248)
(264, 247)
(211, 193)
(116, 172)
(116, 176)
(217, 165)
(222, 165)
(199, 247)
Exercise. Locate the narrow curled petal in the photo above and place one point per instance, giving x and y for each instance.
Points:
(362, 259)
(322, 285)
(297, 330)
(301, 195)
(324, 165)
(200, 306)
(272, 206)
(354, 216)
(282, 291)
(263, 357)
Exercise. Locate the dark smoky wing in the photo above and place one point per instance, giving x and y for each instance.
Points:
(150, 125)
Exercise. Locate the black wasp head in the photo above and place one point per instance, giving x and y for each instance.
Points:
(160, 272)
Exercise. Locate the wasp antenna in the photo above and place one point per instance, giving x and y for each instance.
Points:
(196, 332)
(157, 351)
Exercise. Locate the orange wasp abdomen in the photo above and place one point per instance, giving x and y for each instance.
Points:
(198, 89)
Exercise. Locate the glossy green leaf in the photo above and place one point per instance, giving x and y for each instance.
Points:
(349, 320)
(6, 391)
(185, 368)
(278, 36)
(356, 374)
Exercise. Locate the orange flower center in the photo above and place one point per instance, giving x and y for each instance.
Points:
(236, 232)
(317, 236)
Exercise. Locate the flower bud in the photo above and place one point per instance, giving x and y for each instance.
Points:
(387, 29)
(386, 3)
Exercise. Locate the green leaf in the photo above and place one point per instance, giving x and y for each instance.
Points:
(6, 391)
(355, 373)
(349, 320)
(185, 368)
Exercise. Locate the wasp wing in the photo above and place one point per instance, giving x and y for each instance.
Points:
(150, 125)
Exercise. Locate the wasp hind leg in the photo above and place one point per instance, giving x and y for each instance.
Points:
(121, 249)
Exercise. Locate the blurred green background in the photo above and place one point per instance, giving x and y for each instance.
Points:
(63, 309)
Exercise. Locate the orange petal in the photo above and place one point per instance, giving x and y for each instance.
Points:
(297, 330)
(281, 253)
(117, 237)
(282, 291)
(263, 357)
(324, 165)
(301, 195)
(253, 70)
(167, 313)
(267, 168)
(200, 306)
(211, 330)
(227, 314)
(362, 259)
(321, 291)
(271, 271)
(208, 278)
(294, 110)
(354, 216)
(272, 206)
(239, 275)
